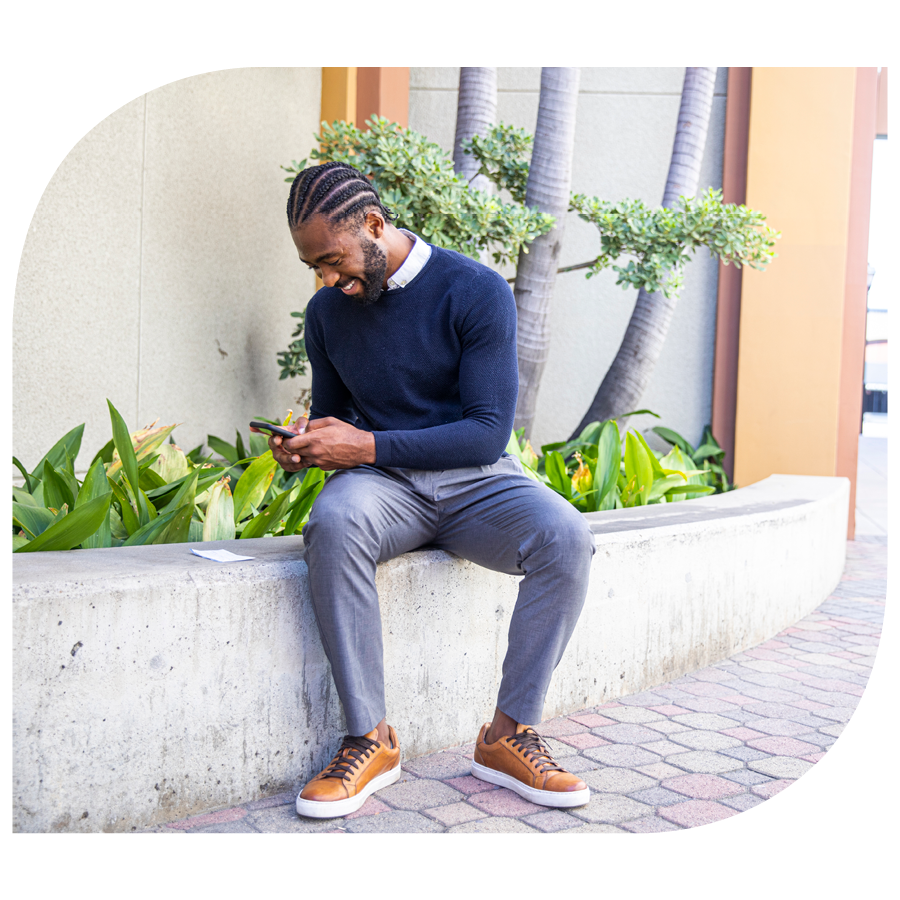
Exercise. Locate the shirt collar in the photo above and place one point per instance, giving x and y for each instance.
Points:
(413, 264)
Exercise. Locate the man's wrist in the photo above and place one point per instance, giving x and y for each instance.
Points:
(369, 450)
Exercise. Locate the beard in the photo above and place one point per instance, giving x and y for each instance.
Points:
(374, 268)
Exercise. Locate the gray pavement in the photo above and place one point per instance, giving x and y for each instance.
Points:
(696, 750)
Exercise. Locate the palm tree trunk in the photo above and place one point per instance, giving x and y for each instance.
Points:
(476, 113)
(630, 372)
(549, 180)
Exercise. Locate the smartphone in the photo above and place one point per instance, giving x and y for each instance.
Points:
(273, 429)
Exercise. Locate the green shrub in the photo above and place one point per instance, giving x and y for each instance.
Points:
(598, 471)
(141, 490)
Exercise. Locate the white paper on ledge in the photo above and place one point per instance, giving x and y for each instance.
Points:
(219, 555)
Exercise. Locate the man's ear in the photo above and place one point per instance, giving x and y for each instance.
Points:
(374, 224)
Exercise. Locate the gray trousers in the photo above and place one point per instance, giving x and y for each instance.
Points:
(494, 516)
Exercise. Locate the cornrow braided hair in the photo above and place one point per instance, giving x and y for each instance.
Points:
(334, 190)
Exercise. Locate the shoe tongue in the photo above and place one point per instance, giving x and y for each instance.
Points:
(521, 728)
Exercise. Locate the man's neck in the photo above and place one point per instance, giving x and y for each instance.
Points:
(399, 247)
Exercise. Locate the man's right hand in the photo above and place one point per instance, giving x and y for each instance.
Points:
(285, 455)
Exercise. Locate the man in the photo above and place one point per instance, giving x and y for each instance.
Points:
(413, 355)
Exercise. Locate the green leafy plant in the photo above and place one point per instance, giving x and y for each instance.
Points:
(600, 470)
(141, 490)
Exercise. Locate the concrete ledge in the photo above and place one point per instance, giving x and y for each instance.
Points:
(150, 684)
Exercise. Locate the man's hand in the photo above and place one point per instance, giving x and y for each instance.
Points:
(288, 461)
(327, 443)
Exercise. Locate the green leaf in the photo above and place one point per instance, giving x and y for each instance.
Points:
(20, 495)
(706, 451)
(695, 489)
(70, 531)
(29, 481)
(555, 467)
(148, 533)
(269, 518)
(253, 484)
(638, 468)
(223, 448)
(33, 519)
(673, 437)
(105, 453)
(609, 456)
(125, 449)
(313, 482)
(19, 540)
(69, 443)
(219, 522)
(130, 519)
(56, 491)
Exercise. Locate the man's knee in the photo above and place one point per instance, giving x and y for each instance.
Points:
(570, 537)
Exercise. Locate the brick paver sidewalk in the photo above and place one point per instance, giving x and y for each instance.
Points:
(699, 749)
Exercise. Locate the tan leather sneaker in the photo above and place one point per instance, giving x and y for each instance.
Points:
(523, 764)
(361, 766)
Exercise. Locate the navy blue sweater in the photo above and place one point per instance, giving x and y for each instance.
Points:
(429, 368)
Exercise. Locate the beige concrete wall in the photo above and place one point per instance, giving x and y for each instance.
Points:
(623, 141)
(158, 269)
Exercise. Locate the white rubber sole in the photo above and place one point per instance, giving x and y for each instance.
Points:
(543, 798)
(321, 809)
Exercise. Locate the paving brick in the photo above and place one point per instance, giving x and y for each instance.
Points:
(650, 825)
(595, 828)
(372, 807)
(626, 734)
(784, 711)
(610, 809)
(836, 714)
(704, 762)
(455, 814)
(394, 822)
(469, 784)
(504, 802)
(708, 689)
(738, 699)
(614, 780)
(809, 705)
(592, 720)
(780, 766)
(560, 727)
(773, 644)
(765, 665)
(421, 794)
(705, 740)
(742, 802)
(277, 800)
(241, 826)
(667, 727)
(558, 749)
(664, 748)
(644, 698)
(746, 777)
(284, 819)
(578, 764)
(821, 741)
(582, 741)
(743, 734)
(438, 765)
(707, 721)
(706, 705)
(702, 787)
(656, 796)
(494, 825)
(813, 757)
(463, 750)
(213, 818)
(669, 709)
(659, 770)
(621, 755)
(553, 820)
(783, 746)
(693, 813)
(745, 754)
(771, 788)
(612, 705)
(634, 715)
(782, 727)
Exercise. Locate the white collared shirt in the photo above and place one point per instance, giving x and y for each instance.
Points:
(413, 264)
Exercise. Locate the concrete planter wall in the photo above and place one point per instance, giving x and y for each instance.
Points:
(150, 684)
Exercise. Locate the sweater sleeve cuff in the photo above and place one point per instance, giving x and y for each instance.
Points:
(382, 448)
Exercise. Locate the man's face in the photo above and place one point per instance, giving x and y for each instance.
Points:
(347, 257)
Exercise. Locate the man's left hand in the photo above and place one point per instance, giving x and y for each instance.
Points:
(330, 443)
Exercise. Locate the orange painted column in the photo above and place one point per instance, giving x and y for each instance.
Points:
(339, 99)
(796, 358)
(382, 91)
(853, 349)
(728, 295)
